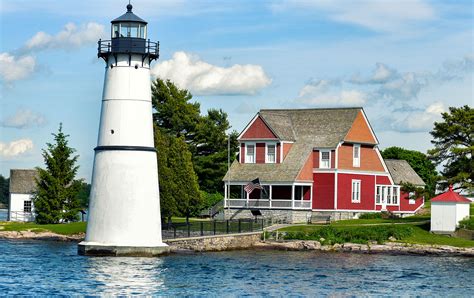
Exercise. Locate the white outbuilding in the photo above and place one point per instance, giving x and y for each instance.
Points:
(22, 187)
(447, 210)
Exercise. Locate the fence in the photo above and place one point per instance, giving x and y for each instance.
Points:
(216, 227)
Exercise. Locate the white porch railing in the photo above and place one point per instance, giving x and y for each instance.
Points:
(271, 204)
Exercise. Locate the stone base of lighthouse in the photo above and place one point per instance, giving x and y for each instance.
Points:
(96, 249)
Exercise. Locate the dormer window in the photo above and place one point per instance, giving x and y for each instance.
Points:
(250, 153)
(356, 156)
(270, 156)
(324, 159)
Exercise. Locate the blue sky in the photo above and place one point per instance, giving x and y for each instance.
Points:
(404, 61)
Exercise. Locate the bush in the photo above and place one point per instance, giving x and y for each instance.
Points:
(374, 215)
(467, 223)
(332, 235)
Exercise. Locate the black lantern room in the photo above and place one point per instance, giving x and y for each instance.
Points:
(128, 36)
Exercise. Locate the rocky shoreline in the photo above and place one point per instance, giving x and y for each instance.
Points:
(393, 248)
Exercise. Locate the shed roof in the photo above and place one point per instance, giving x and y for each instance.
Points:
(401, 171)
(23, 181)
(450, 197)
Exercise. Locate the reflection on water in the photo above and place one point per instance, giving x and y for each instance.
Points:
(54, 268)
(125, 276)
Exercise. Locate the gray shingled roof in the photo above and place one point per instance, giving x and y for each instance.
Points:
(401, 171)
(308, 128)
(23, 181)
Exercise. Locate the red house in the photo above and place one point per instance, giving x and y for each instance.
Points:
(315, 161)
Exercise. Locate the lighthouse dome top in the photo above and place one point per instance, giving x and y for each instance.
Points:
(129, 16)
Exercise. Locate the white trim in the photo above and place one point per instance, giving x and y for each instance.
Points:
(321, 158)
(293, 196)
(281, 152)
(288, 183)
(254, 152)
(356, 161)
(359, 187)
(303, 183)
(370, 126)
(383, 164)
(259, 140)
(266, 152)
(383, 174)
(336, 155)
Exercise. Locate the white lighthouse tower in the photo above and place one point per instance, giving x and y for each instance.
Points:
(124, 210)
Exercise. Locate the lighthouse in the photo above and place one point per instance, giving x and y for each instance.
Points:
(124, 208)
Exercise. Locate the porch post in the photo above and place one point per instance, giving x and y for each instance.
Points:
(225, 194)
(293, 196)
(311, 196)
(270, 196)
(248, 196)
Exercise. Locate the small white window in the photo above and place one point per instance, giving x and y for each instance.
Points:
(271, 153)
(389, 195)
(396, 189)
(324, 159)
(27, 206)
(355, 191)
(356, 156)
(250, 153)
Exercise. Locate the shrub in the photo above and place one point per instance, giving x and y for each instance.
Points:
(374, 215)
(333, 235)
(467, 223)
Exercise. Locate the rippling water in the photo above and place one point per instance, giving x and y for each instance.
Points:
(41, 267)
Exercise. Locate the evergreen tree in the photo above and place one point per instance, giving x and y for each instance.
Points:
(4, 190)
(56, 197)
(454, 146)
(166, 179)
(186, 188)
(420, 164)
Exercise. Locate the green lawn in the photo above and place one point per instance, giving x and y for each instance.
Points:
(63, 229)
(421, 234)
(417, 218)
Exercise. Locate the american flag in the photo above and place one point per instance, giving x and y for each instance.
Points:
(254, 184)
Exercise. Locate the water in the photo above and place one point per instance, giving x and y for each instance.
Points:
(42, 267)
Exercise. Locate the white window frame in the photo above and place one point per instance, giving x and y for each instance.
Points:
(356, 198)
(266, 152)
(25, 207)
(389, 193)
(254, 152)
(378, 194)
(321, 159)
(356, 161)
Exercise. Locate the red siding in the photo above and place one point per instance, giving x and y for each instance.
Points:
(344, 192)
(258, 130)
(278, 148)
(384, 180)
(306, 193)
(333, 159)
(316, 159)
(405, 204)
(323, 191)
(306, 173)
(242, 153)
(260, 153)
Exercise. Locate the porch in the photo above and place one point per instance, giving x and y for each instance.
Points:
(275, 196)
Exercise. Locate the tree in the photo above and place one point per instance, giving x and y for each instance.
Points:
(83, 195)
(4, 190)
(414, 192)
(186, 187)
(167, 181)
(55, 199)
(205, 136)
(453, 141)
(422, 165)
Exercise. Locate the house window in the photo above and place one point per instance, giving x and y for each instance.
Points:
(356, 156)
(250, 153)
(324, 159)
(27, 206)
(395, 195)
(271, 153)
(389, 195)
(355, 191)
(378, 197)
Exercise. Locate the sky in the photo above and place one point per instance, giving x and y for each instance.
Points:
(405, 62)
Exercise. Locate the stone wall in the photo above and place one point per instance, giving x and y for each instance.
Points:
(215, 243)
(289, 216)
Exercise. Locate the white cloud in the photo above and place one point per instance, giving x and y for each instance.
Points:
(201, 78)
(24, 118)
(418, 121)
(16, 68)
(15, 148)
(347, 98)
(372, 14)
(69, 38)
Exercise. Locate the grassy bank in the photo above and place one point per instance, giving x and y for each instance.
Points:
(347, 231)
(63, 229)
